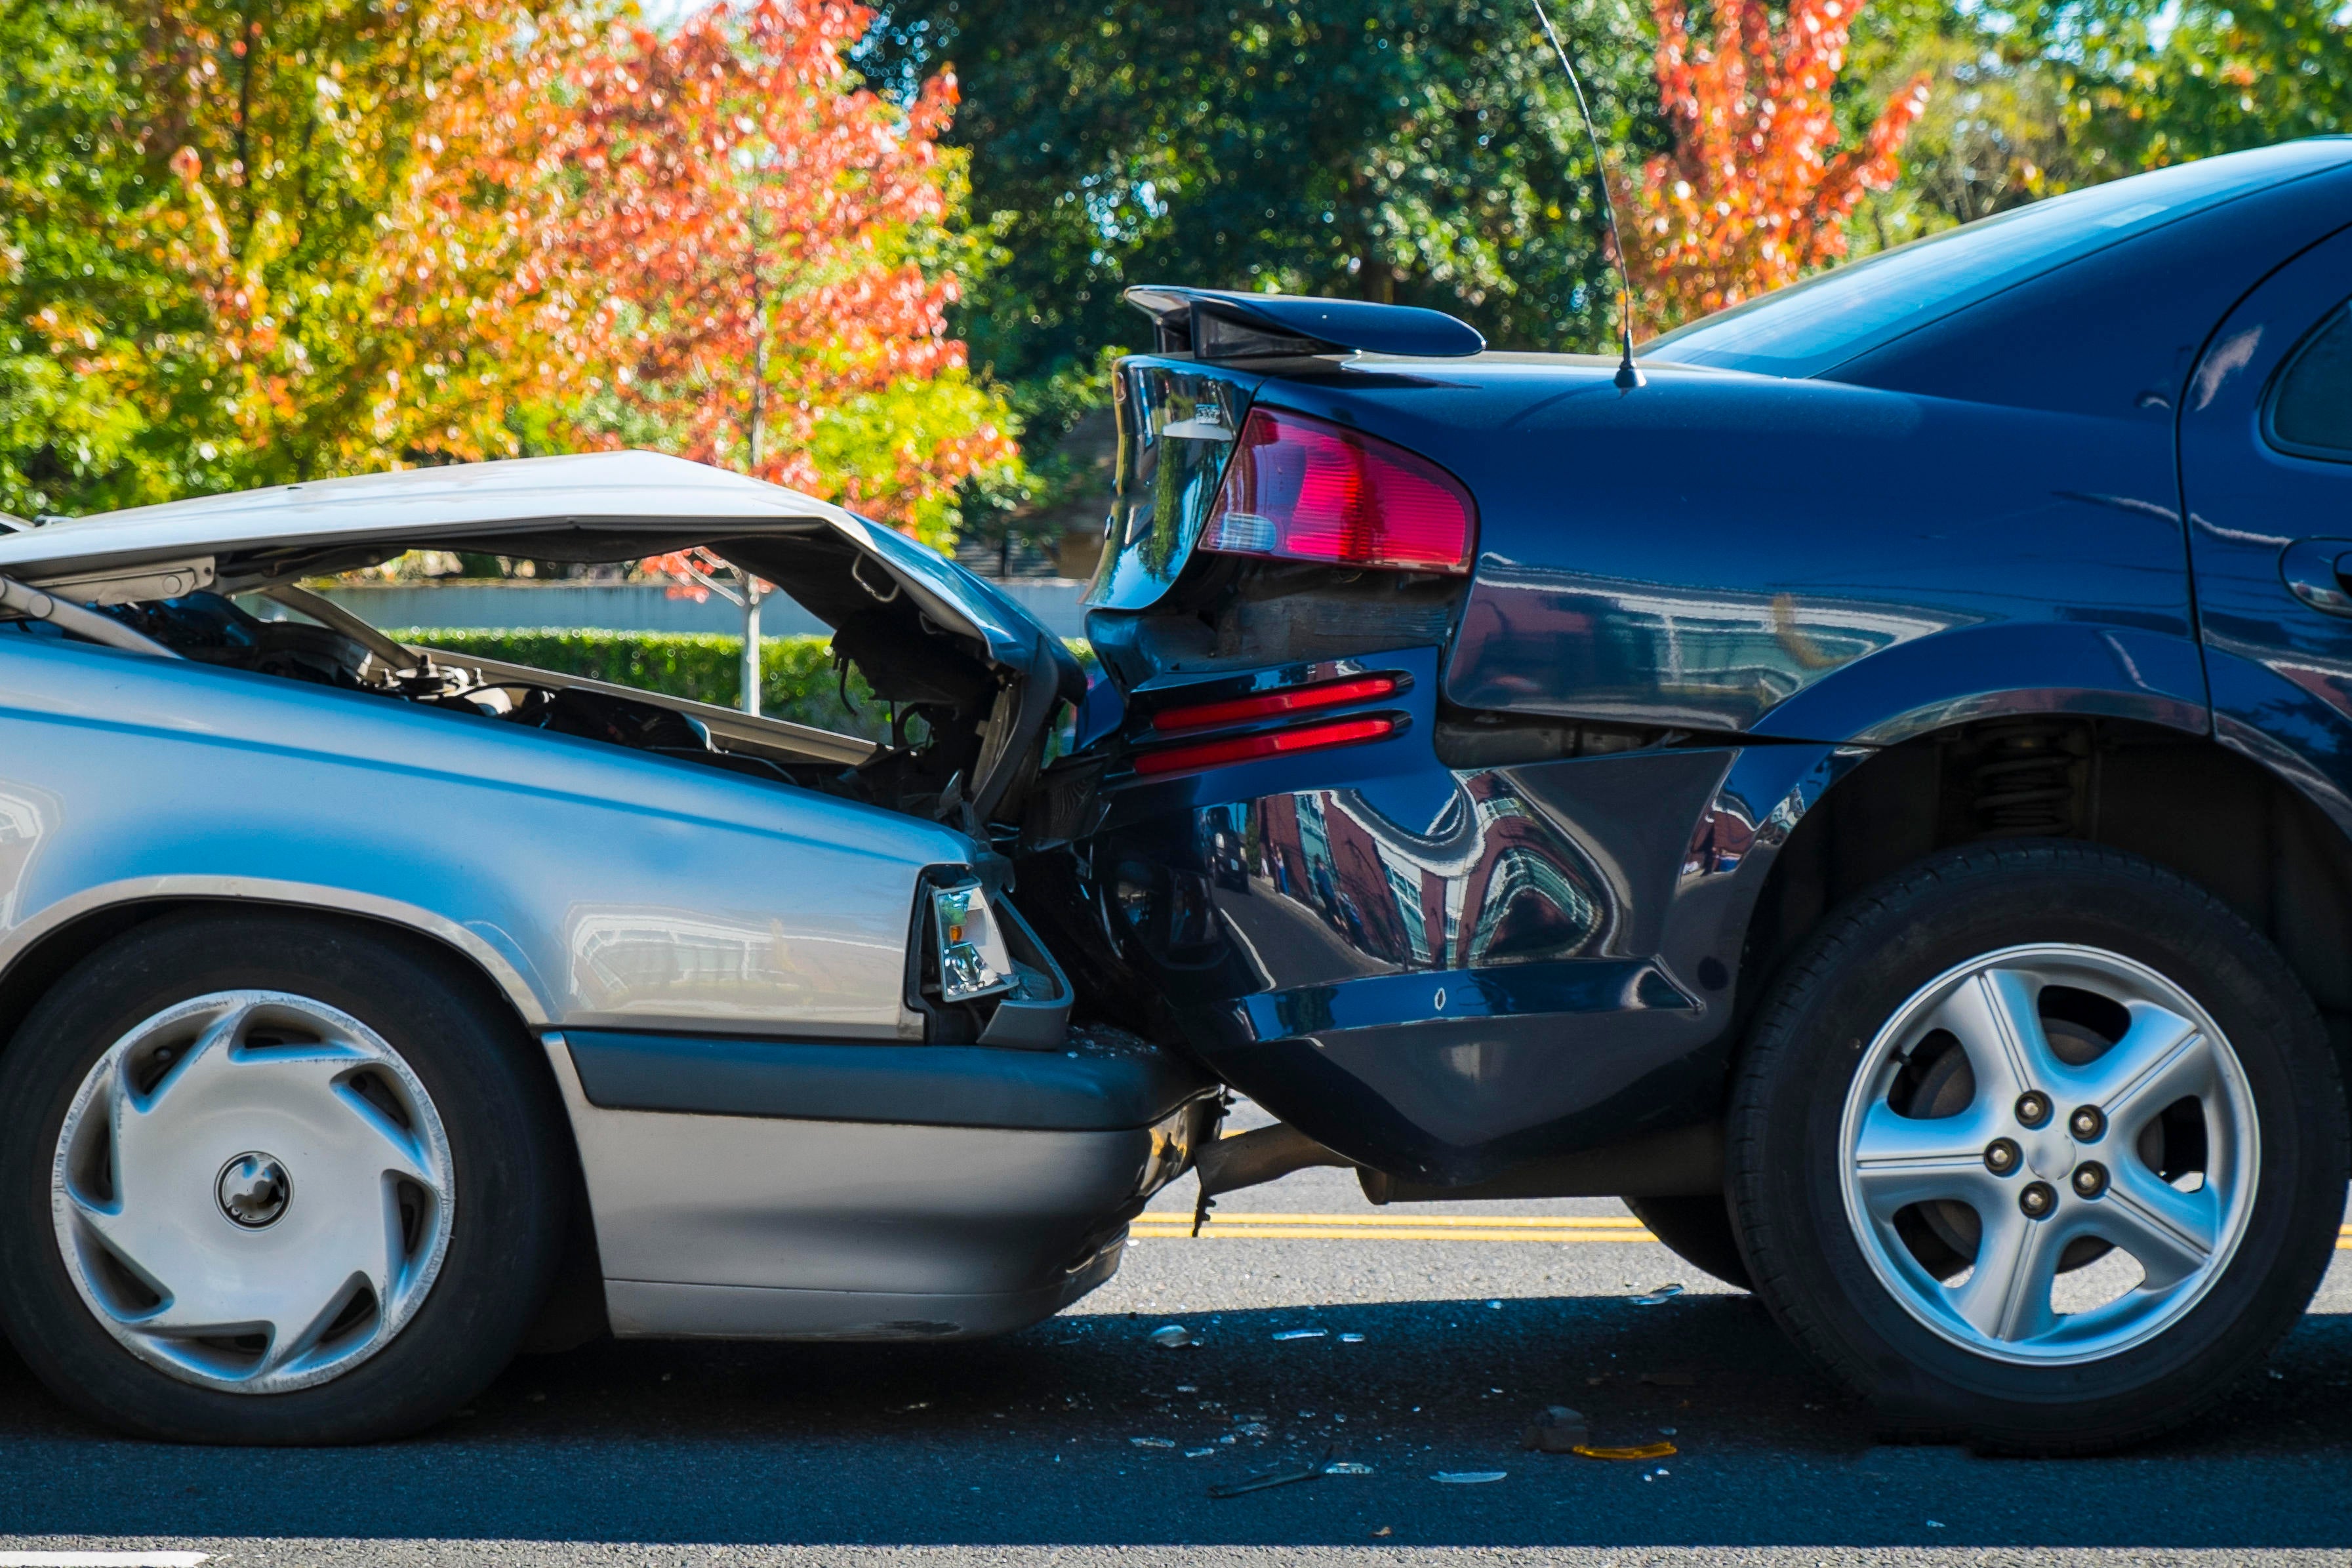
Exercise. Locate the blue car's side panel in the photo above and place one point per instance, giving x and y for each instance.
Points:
(1691, 602)
(2104, 671)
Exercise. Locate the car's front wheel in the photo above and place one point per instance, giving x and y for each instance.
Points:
(2037, 1145)
(268, 1180)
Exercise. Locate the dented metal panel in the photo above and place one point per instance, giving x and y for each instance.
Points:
(600, 886)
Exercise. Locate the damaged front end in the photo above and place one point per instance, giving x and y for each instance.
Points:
(973, 684)
(821, 1073)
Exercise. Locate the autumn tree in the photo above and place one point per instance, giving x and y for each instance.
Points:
(1756, 189)
(191, 196)
(242, 245)
(718, 241)
(1419, 152)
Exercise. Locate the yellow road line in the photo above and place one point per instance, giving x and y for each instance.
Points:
(1396, 1228)
(1314, 1233)
(1419, 1221)
(1431, 1227)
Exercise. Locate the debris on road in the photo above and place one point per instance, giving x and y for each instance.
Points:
(1554, 1429)
(1467, 1478)
(1347, 1467)
(1171, 1336)
(1199, 1453)
(1670, 1379)
(1653, 1298)
(1302, 1334)
(1153, 1442)
(1351, 1339)
(1642, 1452)
(1264, 1478)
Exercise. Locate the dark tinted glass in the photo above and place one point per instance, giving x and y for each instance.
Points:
(1813, 325)
(2313, 410)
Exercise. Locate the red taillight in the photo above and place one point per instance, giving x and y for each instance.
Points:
(1250, 747)
(1270, 705)
(1303, 489)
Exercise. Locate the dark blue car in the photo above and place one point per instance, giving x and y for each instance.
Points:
(1874, 795)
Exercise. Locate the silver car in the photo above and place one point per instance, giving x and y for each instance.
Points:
(373, 1010)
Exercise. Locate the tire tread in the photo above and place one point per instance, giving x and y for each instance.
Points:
(1772, 1037)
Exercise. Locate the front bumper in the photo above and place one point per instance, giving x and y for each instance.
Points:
(812, 1190)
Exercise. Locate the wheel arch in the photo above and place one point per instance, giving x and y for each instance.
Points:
(39, 952)
(2182, 799)
(35, 960)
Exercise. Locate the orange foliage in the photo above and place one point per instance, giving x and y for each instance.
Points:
(1753, 196)
(715, 236)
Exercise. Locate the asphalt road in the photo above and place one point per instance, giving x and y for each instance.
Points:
(1081, 1442)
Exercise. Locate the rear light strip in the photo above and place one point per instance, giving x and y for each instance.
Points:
(1250, 747)
(1272, 704)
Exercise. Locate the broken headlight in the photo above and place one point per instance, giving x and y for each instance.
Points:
(973, 960)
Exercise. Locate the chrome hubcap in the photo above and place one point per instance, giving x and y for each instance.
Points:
(252, 1191)
(2049, 1153)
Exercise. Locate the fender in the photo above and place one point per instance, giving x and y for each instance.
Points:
(625, 891)
(481, 943)
(1990, 672)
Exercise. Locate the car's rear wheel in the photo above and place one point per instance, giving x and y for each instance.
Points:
(272, 1180)
(1699, 1231)
(2037, 1145)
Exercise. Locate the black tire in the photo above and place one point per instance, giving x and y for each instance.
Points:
(1785, 1151)
(1699, 1231)
(506, 1147)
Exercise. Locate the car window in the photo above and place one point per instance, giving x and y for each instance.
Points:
(1810, 327)
(2311, 407)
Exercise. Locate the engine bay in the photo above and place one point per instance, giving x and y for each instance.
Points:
(934, 736)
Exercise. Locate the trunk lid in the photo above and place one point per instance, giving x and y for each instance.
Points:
(916, 623)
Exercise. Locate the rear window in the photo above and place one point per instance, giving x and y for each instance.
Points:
(2312, 412)
(1813, 325)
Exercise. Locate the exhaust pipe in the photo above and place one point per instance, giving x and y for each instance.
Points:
(1253, 1159)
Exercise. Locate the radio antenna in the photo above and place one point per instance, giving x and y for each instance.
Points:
(1629, 375)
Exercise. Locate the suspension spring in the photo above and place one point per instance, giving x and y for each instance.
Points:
(2024, 784)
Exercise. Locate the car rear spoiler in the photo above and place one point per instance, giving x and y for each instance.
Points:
(1225, 324)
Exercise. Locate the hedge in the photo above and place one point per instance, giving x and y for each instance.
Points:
(797, 680)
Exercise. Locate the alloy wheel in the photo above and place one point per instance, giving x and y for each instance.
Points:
(2040, 1112)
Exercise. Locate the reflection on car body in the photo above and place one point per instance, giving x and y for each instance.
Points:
(1999, 560)
(1918, 883)
(1488, 881)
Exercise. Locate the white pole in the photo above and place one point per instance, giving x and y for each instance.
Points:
(751, 648)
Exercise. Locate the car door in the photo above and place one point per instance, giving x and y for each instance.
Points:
(2266, 475)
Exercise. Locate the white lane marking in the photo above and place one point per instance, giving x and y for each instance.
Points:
(133, 1559)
